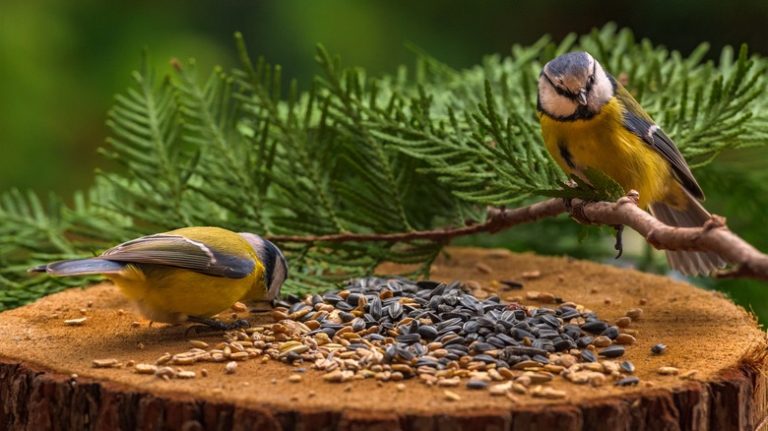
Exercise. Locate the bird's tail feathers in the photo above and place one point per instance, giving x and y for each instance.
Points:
(80, 267)
(694, 215)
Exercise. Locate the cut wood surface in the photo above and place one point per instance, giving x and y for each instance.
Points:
(703, 331)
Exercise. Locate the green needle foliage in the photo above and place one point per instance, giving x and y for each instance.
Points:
(423, 148)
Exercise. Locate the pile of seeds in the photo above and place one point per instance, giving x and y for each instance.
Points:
(392, 329)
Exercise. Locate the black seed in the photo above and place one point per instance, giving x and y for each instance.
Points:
(512, 359)
(375, 308)
(450, 330)
(427, 284)
(468, 301)
(296, 307)
(449, 322)
(476, 384)
(434, 302)
(428, 362)
(550, 320)
(404, 354)
(409, 338)
(353, 298)
(428, 332)
(544, 344)
(569, 314)
(358, 324)
(450, 357)
(594, 326)
(519, 334)
(658, 349)
(488, 359)
(613, 351)
(548, 333)
(628, 381)
(395, 310)
(584, 341)
(482, 347)
(345, 306)
(524, 350)
(588, 356)
(511, 284)
(540, 359)
(628, 366)
(375, 337)
(572, 331)
(457, 340)
(389, 353)
(506, 339)
(332, 298)
(563, 344)
(611, 332)
(486, 322)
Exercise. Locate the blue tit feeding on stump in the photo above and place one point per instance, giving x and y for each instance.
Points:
(590, 121)
(189, 274)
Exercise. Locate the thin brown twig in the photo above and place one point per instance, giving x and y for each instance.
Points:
(496, 220)
(714, 236)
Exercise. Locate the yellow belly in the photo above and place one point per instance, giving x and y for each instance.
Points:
(170, 294)
(602, 143)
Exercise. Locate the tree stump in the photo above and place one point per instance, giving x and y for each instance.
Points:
(39, 357)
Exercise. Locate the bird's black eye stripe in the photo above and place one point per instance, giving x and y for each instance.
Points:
(591, 79)
(561, 91)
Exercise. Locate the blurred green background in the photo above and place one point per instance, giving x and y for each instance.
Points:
(62, 61)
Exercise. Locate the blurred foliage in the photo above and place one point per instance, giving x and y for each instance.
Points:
(60, 62)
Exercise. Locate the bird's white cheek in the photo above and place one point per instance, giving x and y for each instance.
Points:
(601, 92)
(554, 104)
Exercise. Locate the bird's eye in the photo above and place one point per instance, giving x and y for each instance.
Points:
(591, 79)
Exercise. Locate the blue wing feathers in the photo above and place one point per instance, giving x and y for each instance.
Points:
(659, 141)
(81, 267)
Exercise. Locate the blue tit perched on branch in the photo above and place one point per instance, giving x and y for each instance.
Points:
(590, 121)
(189, 274)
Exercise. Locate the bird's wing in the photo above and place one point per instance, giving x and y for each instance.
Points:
(637, 121)
(181, 252)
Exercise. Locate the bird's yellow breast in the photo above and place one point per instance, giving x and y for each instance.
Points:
(604, 144)
(169, 294)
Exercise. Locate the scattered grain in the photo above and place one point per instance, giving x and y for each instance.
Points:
(75, 322)
(451, 396)
(668, 371)
(105, 363)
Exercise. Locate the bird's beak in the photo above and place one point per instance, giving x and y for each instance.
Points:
(583, 97)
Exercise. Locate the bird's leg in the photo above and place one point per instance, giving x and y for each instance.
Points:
(261, 306)
(619, 246)
(632, 197)
(206, 324)
(570, 183)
